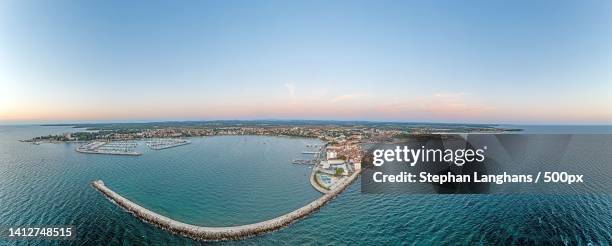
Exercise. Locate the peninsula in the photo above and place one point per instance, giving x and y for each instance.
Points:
(324, 130)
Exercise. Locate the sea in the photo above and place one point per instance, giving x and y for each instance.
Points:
(235, 180)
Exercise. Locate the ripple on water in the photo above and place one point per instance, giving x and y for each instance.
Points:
(50, 184)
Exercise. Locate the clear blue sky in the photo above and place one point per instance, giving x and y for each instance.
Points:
(543, 62)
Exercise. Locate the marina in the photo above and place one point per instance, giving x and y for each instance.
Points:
(127, 147)
(158, 144)
(109, 148)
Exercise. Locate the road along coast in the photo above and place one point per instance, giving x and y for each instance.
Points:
(221, 233)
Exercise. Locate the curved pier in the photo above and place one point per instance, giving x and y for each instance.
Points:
(220, 233)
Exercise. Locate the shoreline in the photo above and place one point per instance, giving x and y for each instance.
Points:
(151, 138)
(221, 233)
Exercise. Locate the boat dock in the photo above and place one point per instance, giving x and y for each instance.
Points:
(109, 148)
(304, 162)
(159, 144)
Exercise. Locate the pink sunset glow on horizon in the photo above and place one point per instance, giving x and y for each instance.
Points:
(440, 107)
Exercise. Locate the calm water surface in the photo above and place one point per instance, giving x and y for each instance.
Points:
(219, 181)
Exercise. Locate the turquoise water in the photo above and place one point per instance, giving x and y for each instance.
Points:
(235, 180)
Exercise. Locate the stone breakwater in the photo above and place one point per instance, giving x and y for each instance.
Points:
(221, 233)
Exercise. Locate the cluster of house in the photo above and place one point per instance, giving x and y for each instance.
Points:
(346, 158)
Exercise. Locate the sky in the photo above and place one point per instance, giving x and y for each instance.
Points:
(514, 62)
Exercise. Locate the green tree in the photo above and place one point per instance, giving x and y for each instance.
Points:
(339, 171)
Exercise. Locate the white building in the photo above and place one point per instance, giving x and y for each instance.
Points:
(332, 155)
(332, 163)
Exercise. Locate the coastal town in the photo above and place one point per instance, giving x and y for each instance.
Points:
(339, 157)
(326, 131)
(343, 140)
(335, 162)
